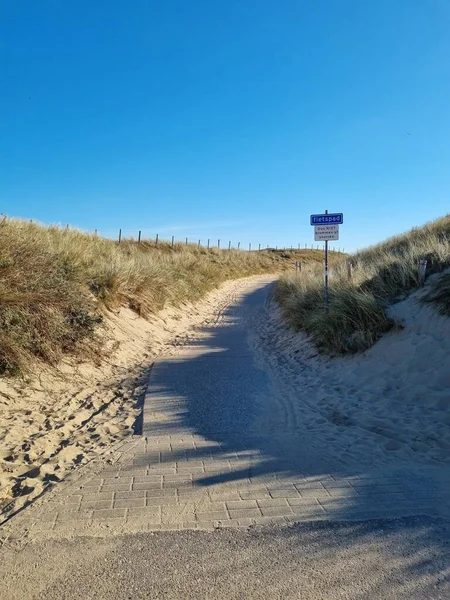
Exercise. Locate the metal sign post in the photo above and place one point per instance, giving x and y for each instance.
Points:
(326, 227)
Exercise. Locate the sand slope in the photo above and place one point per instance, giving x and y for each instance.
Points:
(393, 399)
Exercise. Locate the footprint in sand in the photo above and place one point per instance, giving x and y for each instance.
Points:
(393, 446)
(81, 417)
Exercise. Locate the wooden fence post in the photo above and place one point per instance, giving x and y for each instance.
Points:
(259, 248)
(199, 243)
(422, 271)
(208, 244)
(350, 270)
(120, 235)
(218, 243)
(229, 245)
(173, 239)
(239, 245)
(186, 241)
(157, 238)
(139, 237)
(249, 247)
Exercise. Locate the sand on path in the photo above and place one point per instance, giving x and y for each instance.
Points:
(58, 419)
(235, 434)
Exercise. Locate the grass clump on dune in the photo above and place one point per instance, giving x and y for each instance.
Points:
(353, 322)
(439, 293)
(357, 305)
(55, 285)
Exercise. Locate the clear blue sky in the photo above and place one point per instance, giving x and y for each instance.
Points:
(234, 119)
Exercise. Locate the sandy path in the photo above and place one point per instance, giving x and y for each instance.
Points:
(235, 436)
(390, 403)
(57, 420)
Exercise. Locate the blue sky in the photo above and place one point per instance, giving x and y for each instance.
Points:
(232, 120)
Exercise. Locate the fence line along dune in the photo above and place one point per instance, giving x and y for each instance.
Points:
(359, 296)
(56, 283)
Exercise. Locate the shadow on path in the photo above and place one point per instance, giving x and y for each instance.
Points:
(215, 390)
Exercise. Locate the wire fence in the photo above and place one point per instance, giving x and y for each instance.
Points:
(142, 236)
(208, 243)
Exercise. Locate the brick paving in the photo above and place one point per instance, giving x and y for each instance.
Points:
(157, 485)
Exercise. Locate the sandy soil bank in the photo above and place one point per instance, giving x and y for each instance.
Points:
(391, 402)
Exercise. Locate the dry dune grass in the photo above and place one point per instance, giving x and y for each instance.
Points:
(55, 283)
(357, 316)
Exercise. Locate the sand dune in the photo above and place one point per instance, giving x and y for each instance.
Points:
(394, 399)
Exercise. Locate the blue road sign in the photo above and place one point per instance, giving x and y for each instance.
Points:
(331, 219)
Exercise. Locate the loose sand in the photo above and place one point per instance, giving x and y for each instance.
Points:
(397, 394)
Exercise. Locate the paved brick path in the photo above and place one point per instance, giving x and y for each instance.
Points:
(202, 464)
(158, 484)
